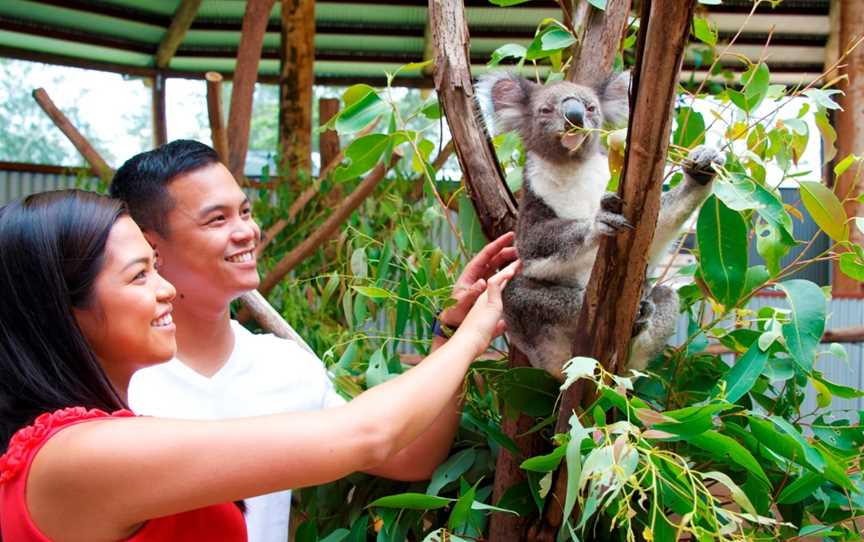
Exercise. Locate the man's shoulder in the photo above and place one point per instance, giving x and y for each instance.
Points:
(266, 348)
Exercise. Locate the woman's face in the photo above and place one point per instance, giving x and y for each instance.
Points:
(128, 322)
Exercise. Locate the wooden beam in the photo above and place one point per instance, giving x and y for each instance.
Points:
(296, 75)
(180, 24)
(216, 116)
(850, 131)
(329, 227)
(160, 120)
(91, 155)
(245, 75)
(847, 335)
(614, 290)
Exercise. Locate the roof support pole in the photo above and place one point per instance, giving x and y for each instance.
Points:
(296, 75)
(245, 75)
(850, 132)
(216, 115)
(160, 120)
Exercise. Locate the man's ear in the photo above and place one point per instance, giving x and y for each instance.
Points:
(504, 99)
(615, 99)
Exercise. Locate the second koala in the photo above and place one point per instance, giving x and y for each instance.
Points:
(565, 210)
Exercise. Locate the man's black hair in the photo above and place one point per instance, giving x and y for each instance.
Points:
(142, 182)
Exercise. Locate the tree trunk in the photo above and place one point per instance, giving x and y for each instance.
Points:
(614, 291)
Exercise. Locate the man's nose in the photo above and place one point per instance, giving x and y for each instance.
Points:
(574, 112)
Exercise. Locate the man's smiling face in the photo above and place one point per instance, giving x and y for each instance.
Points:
(209, 252)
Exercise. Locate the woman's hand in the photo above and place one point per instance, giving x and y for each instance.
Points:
(472, 282)
(484, 321)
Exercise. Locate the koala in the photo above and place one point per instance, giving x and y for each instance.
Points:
(565, 211)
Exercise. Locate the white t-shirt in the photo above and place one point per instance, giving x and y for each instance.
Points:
(263, 375)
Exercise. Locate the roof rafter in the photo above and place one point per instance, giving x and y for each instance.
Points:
(180, 23)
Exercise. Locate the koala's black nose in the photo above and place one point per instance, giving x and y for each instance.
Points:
(574, 111)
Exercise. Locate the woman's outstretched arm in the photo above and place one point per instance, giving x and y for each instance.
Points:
(100, 480)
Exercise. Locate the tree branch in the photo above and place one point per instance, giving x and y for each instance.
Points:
(614, 290)
(329, 227)
(495, 205)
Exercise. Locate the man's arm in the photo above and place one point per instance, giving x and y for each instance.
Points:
(419, 460)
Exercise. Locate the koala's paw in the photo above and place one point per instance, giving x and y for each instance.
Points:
(612, 203)
(608, 224)
(646, 310)
(700, 162)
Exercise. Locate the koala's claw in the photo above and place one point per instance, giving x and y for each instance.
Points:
(612, 203)
(700, 162)
(611, 223)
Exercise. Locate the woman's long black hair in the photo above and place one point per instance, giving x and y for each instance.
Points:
(52, 247)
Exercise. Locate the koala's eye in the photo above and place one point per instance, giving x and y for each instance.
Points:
(546, 110)
(591, 108)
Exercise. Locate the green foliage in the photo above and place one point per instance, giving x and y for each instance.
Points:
(703, 447)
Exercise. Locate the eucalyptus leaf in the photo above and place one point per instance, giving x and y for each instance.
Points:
(450, 471)
(412, 501)
(826, 209)
(741, 377)
(809, 311)
(360, 113)
(726, 448)
(721, 234)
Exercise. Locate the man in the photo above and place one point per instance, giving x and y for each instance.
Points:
(199, 222)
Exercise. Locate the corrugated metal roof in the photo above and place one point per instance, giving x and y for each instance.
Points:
(356, 40)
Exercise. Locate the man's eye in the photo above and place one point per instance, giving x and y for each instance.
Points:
(215, 219)
(140, 276)
(246, 212)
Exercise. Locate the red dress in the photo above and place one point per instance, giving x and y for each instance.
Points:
(222, 522)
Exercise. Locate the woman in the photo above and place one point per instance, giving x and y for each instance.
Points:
(83, 308)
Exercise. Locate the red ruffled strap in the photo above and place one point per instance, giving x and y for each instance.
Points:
(31, 436)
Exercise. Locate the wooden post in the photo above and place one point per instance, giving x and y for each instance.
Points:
(245, 75)
(850, 132)
(296, 74)
(180, 23)
(216, 116)
(328, 141)
(160, 121)
(614, 290)
(100, 167)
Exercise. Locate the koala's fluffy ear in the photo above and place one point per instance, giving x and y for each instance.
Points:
(615, 99)
(504, 99)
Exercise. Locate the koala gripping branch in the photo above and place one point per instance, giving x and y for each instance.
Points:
(614, 290)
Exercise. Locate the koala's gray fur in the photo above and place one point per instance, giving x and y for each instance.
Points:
(565, 210)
